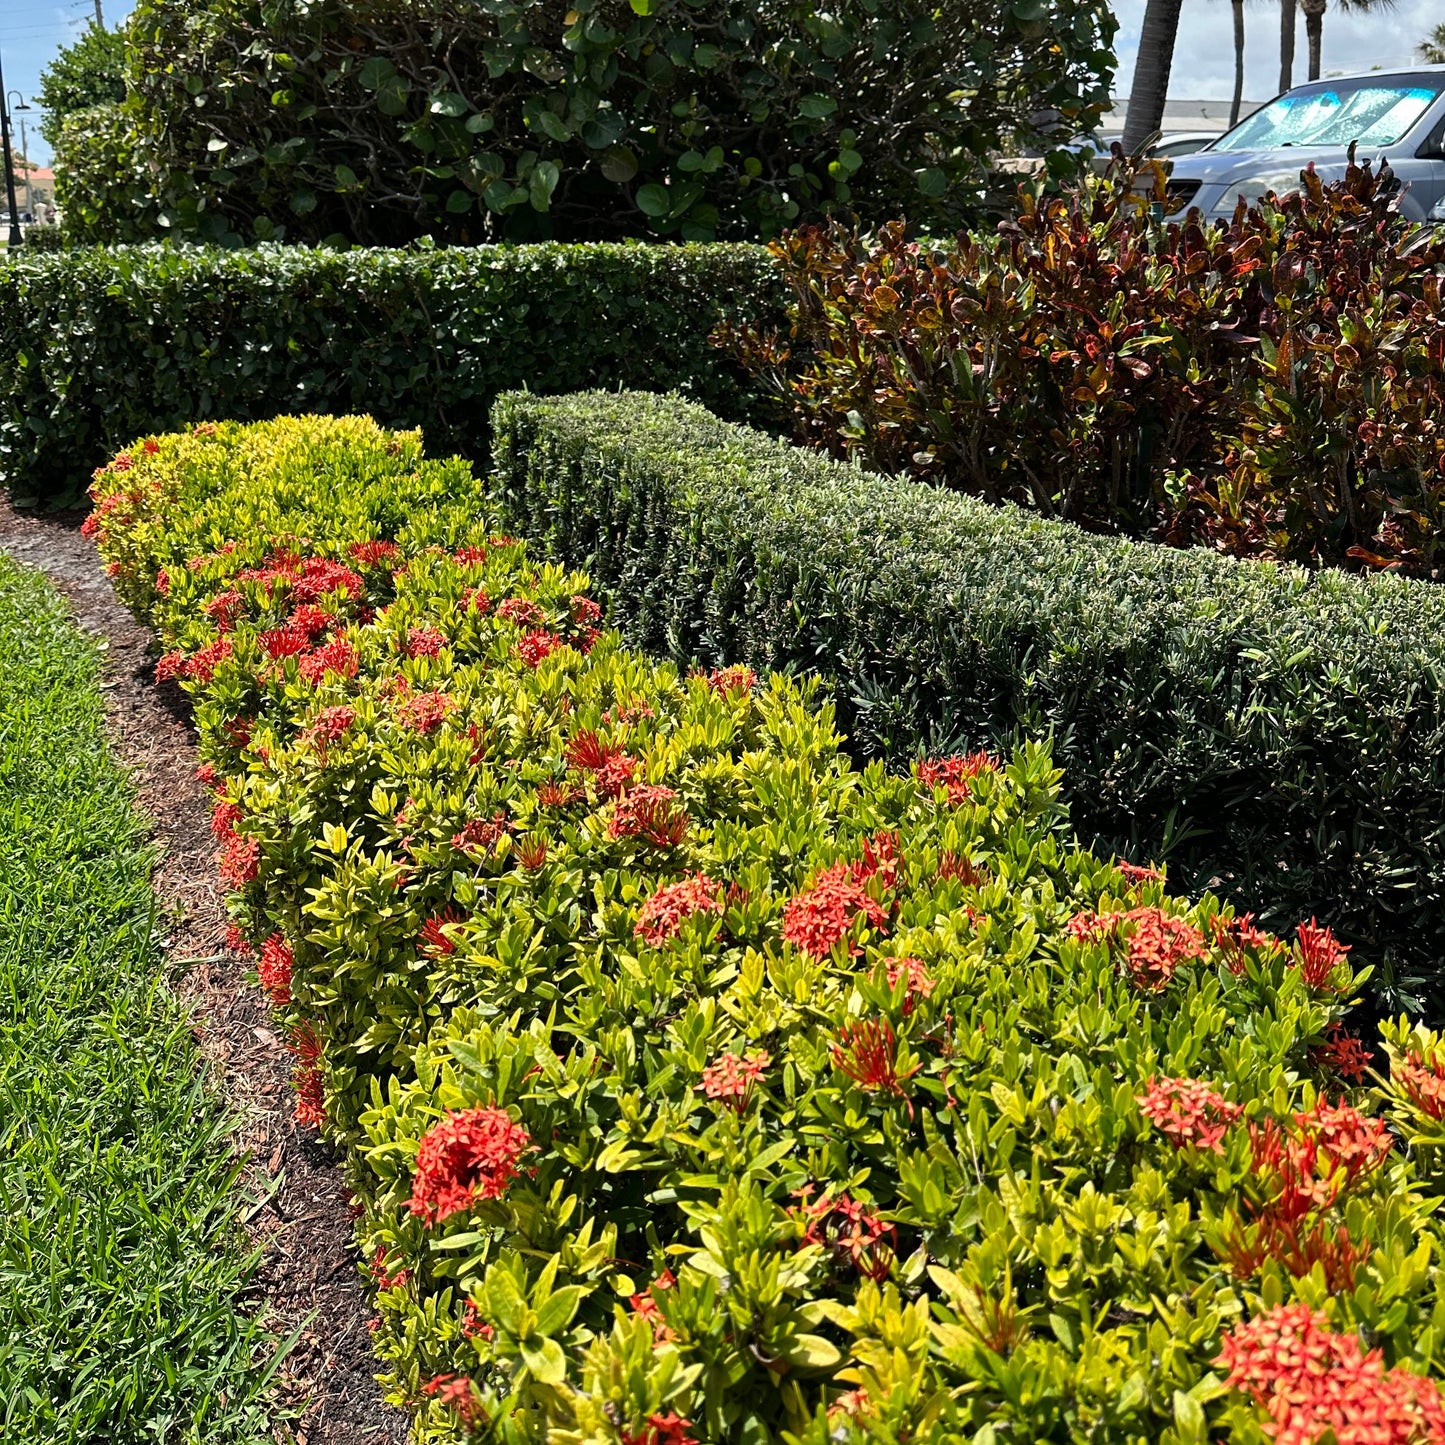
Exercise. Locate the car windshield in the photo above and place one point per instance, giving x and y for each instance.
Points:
(1370, 112)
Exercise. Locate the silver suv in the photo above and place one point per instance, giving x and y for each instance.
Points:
(1394, 115)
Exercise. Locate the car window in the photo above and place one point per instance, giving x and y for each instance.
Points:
(1369, 112)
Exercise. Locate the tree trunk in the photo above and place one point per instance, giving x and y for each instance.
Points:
(1286, 44)
(1151, 73)
(1238, 63)
(1314, 30)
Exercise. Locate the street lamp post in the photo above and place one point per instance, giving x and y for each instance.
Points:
(15, 237)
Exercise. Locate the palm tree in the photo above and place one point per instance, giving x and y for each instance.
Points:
(1315, 22)
(1238, 6)
(1151, 72)
(1432, 47)
(1286, 44)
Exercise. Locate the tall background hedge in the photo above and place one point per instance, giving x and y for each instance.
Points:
(1275, 733)
(103, 345)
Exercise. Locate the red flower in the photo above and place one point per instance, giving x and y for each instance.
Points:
(426, 711)
(163, 582)
(651, 813)
(1311, 1381)
(240, 860)
(208, 777)
(237, 941)
(469, 556)
(1236, 935)
(477, 598)
(1135, 874)
(372, 554)
(1344, 1054)
(532, 853)
(385, 1281)
(916, 982)
(471, 1154)
(866, 1052)
(479, 837)
(1317, 952)
(434, 939)
(645, 1306)
(310, 621)
(533, 647)
(310, 1090)
(274, 969)
(422, 641)
(724, 680)
(224, 817)
(331, 725)
(320, 575)
(91, 526)
(954, 774)
(669, 1429)
(1155, 942)
(663, 913)
(585, 611)
(556, 795)
(969, 873)
(730, 1081)
(336, 656)
(821, 916)
(225, 608)
(286, 641)
(474, 1327)
(522, 611)
(1186, 1111)
(849, 1231)
(1422, 1081)
(459, 1395)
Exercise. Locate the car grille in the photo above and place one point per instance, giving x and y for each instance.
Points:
(1181, 192)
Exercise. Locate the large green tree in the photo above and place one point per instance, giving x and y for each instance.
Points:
(88, 73)
(468, 121)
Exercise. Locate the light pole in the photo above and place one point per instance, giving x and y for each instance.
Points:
(16, 238)
(18, 107)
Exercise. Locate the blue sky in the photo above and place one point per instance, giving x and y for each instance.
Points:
(31, 31)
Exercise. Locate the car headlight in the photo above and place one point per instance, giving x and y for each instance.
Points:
(1253, 188)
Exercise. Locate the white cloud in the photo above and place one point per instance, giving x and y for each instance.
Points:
(1204, 52)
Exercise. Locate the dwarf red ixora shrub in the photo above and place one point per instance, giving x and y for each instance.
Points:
(696, 1086)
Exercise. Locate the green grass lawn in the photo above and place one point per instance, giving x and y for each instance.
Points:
(121, 1260)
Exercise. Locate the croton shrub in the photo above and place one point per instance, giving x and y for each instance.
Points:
(1267, 388)
(695, 1085)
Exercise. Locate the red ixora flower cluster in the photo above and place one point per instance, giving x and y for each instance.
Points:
(730, 1081)
(433, 938)
(611, 768)
(274, 969)
(1310, 1380)
(1135, 873)
(849, 1231)
(310, 1092)
(424, 641)
(385, 1281)
(645, 1306)
(1344, 1054)
(867, 1053)
(199, 667)
(651, 813)
(1317, 952)
(240, 860)
(458, 1394)
(662, 915)
(956, 774)
(337, 656)
(1238, 937)
(737, 678)
(374, 553)
(1187, 1111)
(424, 712)
(821, 916)
(1422, 1081)
(1299, 1171)
(535, 647)
(476, 836)
(668, 1429)
(914, 977)
(331, 725)
(1155, 942)
(471, 1154)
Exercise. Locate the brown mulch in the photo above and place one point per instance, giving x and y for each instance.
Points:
(309, 1267)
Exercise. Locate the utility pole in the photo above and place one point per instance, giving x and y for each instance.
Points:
(15, 237)
(99, 18)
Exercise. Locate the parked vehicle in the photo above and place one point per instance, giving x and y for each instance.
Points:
(1398, 116)
(1183, 143)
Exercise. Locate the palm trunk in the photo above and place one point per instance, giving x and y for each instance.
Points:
(1238, 63)
(1286, 44)
(1151, 73)
(1314, 32)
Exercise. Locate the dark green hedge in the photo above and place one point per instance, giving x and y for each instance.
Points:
(1277, 734)
(100, 346)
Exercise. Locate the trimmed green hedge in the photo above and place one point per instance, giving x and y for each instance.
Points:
(1275, 732)
(101, 345)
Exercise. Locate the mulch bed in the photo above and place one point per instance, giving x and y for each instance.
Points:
(309, 1268)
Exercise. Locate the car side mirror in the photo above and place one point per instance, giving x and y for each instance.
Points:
(1432, 148)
